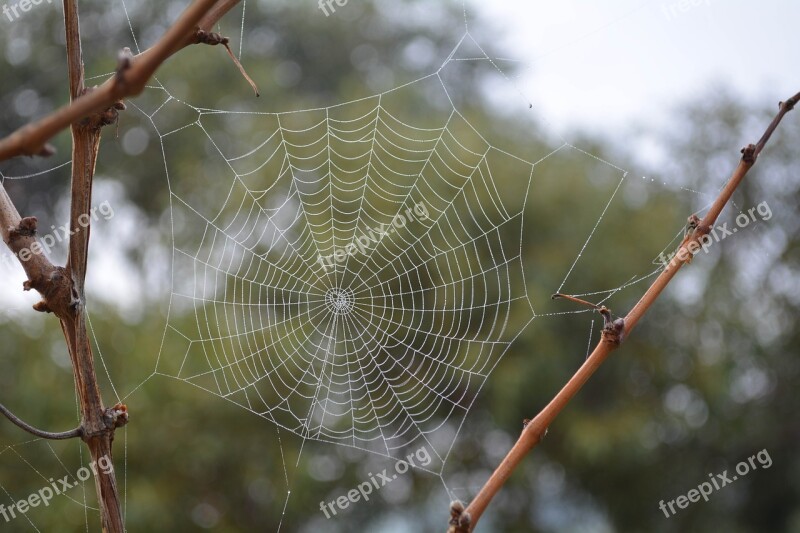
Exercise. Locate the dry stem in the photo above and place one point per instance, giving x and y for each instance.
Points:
(62, 288)
(464, 520)
(31, 139)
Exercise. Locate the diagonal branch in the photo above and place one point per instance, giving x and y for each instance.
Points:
(31, 139)
(464, 520)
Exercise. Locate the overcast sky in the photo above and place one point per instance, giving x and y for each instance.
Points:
(609, 63)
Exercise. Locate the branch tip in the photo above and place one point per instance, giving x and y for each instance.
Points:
(574, 299)
(71, 434)
(212, 39)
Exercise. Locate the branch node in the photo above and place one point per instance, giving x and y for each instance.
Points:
(112, 419)
(25, 228)
(209, 37)
(42, 307)
(692, 224)
(124, 63)
(116, 417)
(613, 330)
(460, 520)
(749, 153)
(57, 293)
(105, 117)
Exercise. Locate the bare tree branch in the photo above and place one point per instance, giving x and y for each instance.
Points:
(85, 146)
(32, 138)
(464, 520)
(62, 288)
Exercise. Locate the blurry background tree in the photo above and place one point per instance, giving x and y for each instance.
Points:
(706, 381)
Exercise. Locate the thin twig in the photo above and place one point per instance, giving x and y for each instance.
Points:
(213, 39)
(558, 295)
(72, 434)
(464, 520)
(31, 139)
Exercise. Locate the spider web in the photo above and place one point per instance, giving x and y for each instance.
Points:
(353, 273)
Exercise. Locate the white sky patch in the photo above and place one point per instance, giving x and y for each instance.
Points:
(608, 65)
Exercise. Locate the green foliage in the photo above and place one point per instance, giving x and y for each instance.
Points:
(707, 380)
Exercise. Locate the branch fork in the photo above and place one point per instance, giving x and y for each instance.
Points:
(102, 118)
(62, 287)
(58, 294)
(613, 329)
(113, 418)
(52, 282)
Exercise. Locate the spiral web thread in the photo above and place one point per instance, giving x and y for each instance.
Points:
(360, 294)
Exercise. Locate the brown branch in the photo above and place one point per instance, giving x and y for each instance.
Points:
(85, 146)
(19, 234)
(62, 288)
(464, 520)
(31, 139)
(74, 433)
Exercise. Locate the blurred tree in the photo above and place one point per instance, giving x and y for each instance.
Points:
(705, 382)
